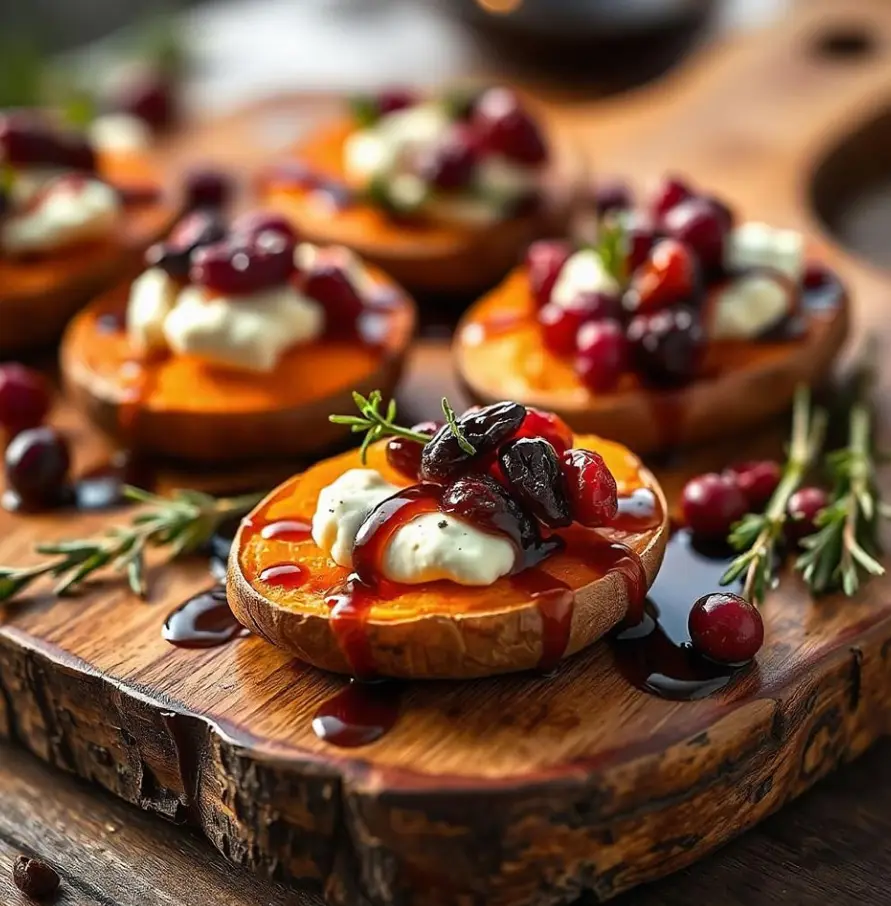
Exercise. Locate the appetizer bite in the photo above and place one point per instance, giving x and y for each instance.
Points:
(72, 220)
(236, 342)
(442, 192)
(495, 542)
(676, 326)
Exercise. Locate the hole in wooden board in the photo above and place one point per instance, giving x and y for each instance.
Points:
(845, 42)
(851, 190)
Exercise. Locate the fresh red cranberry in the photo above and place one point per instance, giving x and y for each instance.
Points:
(711, 503)
(560, 323)
(641, 237)
(255, 222)
(548, 425)
(24, 398)
(208, 188)
(37, 462)
(724, 211)
(148, 95)
(506, 128)
(816, 275)
(404, 455)
(544, 261)
(28, 140)
(601, 355)
(612, 195)
(804, 507)
(396, 98)
(244, 264)
(700, 226)
(757, 479)
(666, 277)
(670, 193)
(666, 348)
(449, 165)
(329, 284)
(726, 628)
(591, 488)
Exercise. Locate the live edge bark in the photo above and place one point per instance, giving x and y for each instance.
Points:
(373, 836)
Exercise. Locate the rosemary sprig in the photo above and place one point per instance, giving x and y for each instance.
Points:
(846, 540)
(377, 424)
(756, 534)
(181, 524)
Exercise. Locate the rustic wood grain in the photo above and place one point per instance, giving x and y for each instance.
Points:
(510, 790)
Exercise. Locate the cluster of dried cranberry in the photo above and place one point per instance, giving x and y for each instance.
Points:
(652, 325)
(255, 253)
(493, 121)
(37, 459)
(523, 476)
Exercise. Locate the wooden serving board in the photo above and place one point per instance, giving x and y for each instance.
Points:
(519, 790)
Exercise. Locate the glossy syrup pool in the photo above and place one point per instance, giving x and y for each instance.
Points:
(656, 655)
(359, 714)
(204, 621)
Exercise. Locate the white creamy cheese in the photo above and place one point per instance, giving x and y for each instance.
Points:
(67, 211)
(431, 547)
(247, 332)
(583, 272)
(755, 244)
(152, 297)
(748, 306)
(499, 177)
(120, 132)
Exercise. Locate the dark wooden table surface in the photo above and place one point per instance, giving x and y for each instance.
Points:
(832, 846)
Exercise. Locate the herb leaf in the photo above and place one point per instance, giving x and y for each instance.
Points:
(452, 421)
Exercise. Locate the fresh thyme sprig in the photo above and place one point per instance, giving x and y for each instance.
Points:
(182, 524)
(377, 424)
(846, 540)
(756, 535)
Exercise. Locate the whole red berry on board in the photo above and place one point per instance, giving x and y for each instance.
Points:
(669, 193)
(544, 261)
(37, 463)
(700, 226)
(549, 425)
(667, 277)
(711, 503)
(726, 628)
(804, 506)
(24, 398)
(507, 129)
(601, 355)
(757, 479)
(591, 487)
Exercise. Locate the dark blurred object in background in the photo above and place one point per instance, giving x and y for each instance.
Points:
(610, 42)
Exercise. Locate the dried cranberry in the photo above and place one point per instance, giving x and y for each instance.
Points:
(242, 265)
(726, 628)
(208, 188)
(591, 487)
(544, 261)
(485, 430)
(506, 128)
(711, 503)
(532, 471)
(200, 228)
(37, 462)
(667, 347)
(757, 480)
(148, 95)
(255, 222)
(601, 355)
(549, 425)
(330, 284)
(449, 165)
(24, 398)
(612, 195)
(700, 226)
(670, 193)
(35, 878)
(804, 507)
(667, 277)
(404, 455)
(483, 502)
(395, 98)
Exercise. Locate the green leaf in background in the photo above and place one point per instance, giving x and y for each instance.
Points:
(364, 110)
(612, 248)
(21, 73)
